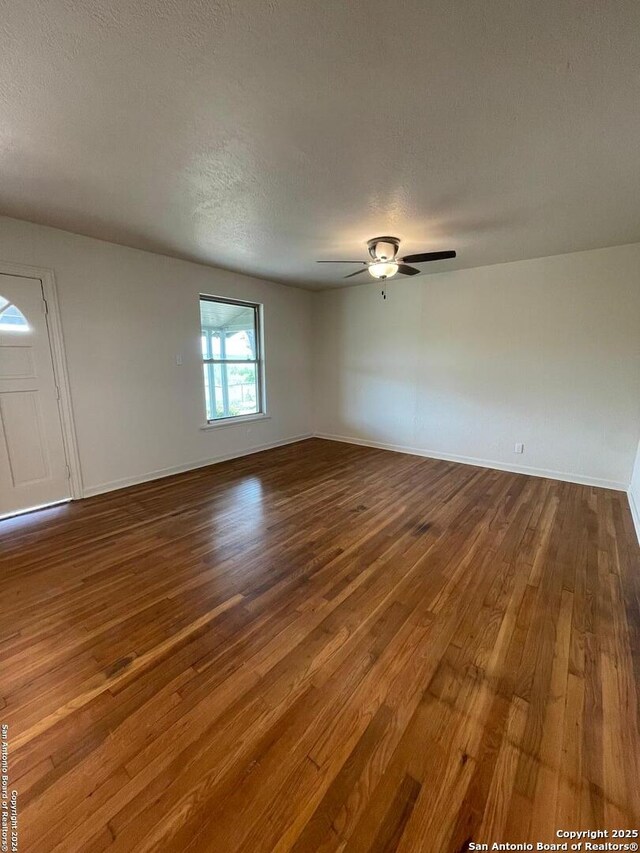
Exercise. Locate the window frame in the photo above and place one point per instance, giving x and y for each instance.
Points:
(258, 361)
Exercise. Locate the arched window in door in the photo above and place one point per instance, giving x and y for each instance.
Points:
(11, 317)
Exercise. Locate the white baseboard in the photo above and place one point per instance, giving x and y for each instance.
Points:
(482, 463)
(190, 466)
(635, 513)
(398, 448)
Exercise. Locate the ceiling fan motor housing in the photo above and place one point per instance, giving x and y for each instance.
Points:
(383, 248)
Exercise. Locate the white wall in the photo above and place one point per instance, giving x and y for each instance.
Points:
(464, 364)
(126, 314)
(459, 365)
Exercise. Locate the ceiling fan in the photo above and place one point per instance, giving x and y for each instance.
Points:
(384, 262)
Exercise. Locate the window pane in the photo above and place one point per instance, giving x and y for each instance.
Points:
(11, 318)
(228, 331)
(231, 390)
(243, 389)
(208, 393)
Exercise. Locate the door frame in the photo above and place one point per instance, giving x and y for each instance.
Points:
(61, 376)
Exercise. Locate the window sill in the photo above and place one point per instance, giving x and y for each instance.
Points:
(242, 419)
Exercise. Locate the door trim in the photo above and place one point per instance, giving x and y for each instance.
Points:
(56, 343)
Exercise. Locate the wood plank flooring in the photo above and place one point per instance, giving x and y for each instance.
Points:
(322, 647)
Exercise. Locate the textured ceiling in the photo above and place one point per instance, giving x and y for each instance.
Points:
(260, 135)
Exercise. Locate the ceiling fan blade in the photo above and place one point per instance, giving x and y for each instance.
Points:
(357, 272)
(423, 257)
(407, 270)
(342, 262)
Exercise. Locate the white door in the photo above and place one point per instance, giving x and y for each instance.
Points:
(33, 466)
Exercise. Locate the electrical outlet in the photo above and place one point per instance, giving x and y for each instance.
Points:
(178, 359)
(519, 447)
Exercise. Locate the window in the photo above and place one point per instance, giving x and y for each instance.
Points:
(232, 358)
(11, 318)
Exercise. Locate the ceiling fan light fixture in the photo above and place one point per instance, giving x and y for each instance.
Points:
(383, 269)
(385, 262)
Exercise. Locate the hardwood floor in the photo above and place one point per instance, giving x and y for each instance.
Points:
(322, 647)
